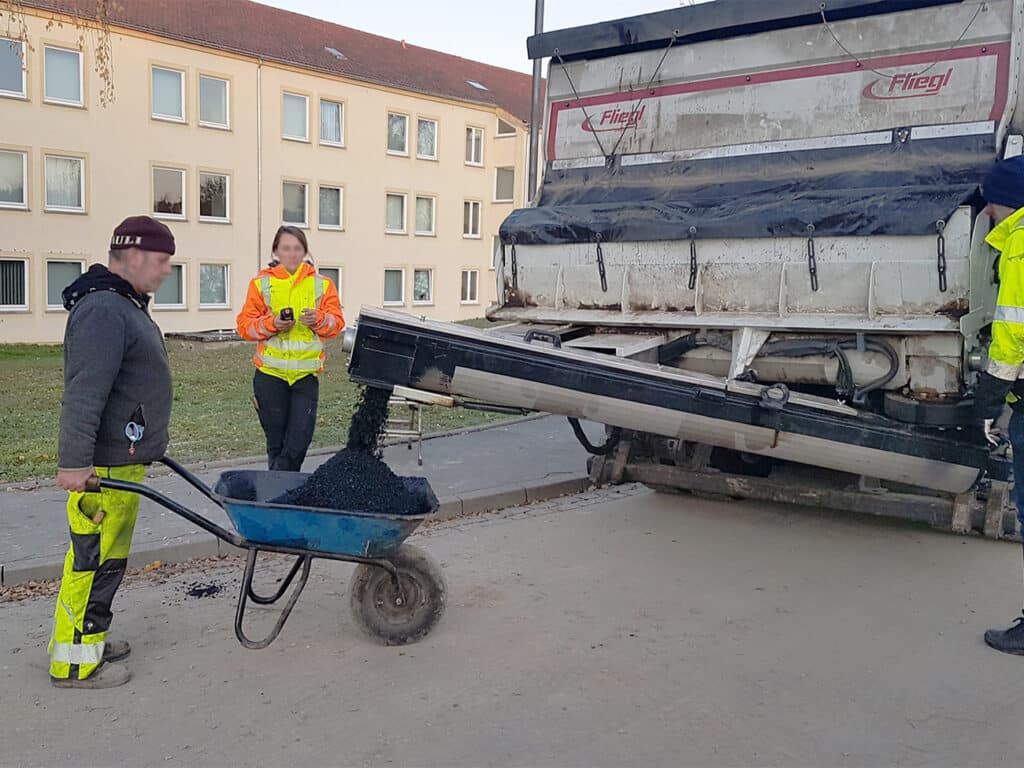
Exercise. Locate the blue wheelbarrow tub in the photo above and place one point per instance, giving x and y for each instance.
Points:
(244, 495)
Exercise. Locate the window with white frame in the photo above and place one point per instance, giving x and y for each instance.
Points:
(64, 188)
(169, 193)
(214, 102)
(168, 86)
(398, 134)
(12, 68)
(295, 116)
(59, 275)
(474, 146)
(333, 274)
(13, 179)
(171, 293)
(425, 215)
(394, 287)
(62, 76)
(505, 129)
(395, 213)
(332, 201)
(426, 139)
(471, 218)
(504, 185)
(214, 197)
(423, 286)
(332, 123)
(470, 287)
(294, 203)
(13, 284)
(213, 285)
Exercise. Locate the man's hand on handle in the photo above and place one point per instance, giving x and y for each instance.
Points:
(74, 479)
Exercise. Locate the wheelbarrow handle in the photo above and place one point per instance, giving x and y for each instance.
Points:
(190, 478)
(94, 484)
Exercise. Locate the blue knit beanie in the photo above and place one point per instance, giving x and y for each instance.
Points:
(1004, 184)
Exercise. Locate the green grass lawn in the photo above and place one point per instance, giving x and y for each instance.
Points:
(212, 417)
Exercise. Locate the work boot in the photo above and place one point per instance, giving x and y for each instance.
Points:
(105, 676)
(1008, 640)
(115, 650)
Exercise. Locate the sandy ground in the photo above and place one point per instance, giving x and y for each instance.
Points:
(617, 628)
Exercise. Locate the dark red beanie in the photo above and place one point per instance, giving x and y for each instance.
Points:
(144, 233)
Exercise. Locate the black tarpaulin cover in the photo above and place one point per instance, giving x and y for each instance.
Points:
(902, 188)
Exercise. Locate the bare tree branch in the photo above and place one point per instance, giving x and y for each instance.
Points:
(91, 22)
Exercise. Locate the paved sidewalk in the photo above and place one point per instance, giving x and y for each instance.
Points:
(473, 471)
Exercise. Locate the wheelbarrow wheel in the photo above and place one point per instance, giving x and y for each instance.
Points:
(405, 614)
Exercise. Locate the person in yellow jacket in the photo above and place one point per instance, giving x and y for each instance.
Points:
(289, 310)
(1002, 381)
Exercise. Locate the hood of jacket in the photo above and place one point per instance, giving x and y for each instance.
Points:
(99, 278)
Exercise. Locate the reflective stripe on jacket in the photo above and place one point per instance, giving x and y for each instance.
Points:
(299, 352)
(1006, 353)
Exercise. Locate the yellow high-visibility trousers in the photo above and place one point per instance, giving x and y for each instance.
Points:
(93, 569)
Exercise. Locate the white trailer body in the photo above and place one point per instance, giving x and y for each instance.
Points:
(763, 166)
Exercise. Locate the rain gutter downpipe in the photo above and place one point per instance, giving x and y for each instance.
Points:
(259, 164)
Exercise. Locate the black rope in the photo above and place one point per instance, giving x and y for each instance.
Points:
(647, 90)
(576, 93)
(860, 63)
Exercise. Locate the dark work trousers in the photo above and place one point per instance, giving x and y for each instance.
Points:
(1017, 444)
(288, 417)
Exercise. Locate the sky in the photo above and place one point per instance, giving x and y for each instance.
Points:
(492, 31)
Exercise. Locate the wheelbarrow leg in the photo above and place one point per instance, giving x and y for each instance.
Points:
(246, 591)
(260, 600)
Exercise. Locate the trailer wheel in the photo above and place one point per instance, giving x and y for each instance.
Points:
(397, 616)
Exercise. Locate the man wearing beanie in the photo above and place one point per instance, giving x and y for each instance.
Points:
(1003, 379)
(114, 417)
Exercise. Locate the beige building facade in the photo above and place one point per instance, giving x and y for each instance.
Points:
(400, 193)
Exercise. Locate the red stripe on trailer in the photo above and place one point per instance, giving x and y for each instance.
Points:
(999, 50)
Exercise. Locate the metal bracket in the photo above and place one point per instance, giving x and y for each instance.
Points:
(775, 397)
(940, 226)
(515, 266)
(600, 264)
(693, 258)
(866, 484)
(746, 343)
(552, 338)
(812, 258)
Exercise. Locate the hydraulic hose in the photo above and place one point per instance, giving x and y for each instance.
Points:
(589, 447)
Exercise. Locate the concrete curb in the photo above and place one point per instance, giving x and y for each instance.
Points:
(158, 470)
(185, 548)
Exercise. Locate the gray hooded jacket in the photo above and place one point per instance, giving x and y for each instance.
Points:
(117, 379)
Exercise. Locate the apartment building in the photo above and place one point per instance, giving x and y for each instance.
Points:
(231, 118)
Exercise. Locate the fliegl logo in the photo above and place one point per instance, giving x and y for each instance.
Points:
(908, 85)
(615, 120)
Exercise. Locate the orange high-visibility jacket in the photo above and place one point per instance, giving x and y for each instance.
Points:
(299, 352)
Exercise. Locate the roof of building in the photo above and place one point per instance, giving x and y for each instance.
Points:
(275, 35)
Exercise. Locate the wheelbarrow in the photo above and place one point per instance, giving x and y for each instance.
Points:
(397, 592)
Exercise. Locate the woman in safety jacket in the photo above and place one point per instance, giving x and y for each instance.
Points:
(1002, 381)
(289, 311)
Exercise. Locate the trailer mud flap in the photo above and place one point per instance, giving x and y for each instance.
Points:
(395, 349)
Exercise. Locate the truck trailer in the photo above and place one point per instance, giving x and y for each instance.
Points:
(756, 254)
